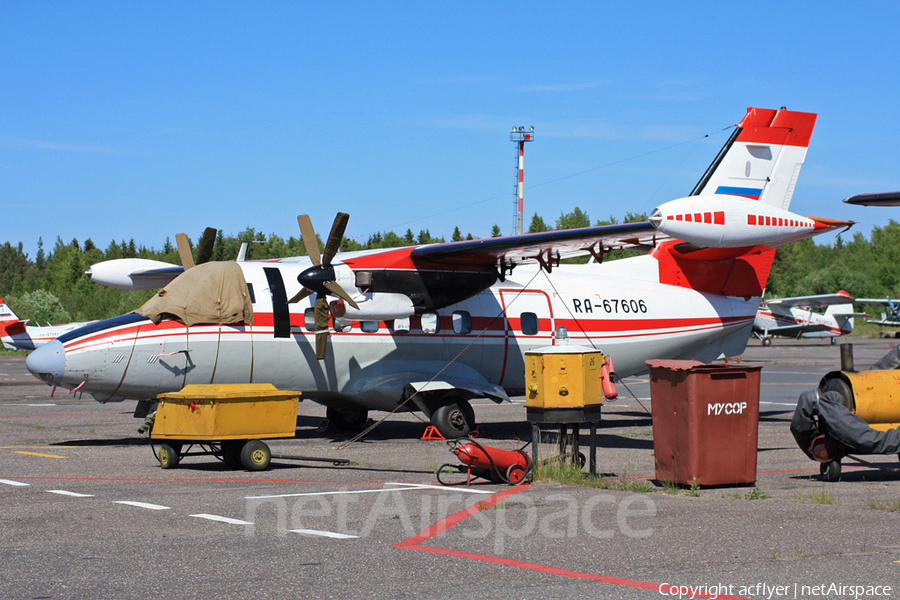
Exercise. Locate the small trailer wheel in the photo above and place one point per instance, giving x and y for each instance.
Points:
(169, 456)
(515, 474)
(255, 455)
(830, 471)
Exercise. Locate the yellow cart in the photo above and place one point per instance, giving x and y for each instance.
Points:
(226, 421)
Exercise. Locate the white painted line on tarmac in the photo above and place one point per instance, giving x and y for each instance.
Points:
(221, 519)
(328, 534)
(332, 493)
(40, 404)
(15, 483)
(68, 493)
(425, 486)
(778, 403)
(146, 505)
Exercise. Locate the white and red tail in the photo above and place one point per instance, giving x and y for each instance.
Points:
(748, 190)
(10, 324)
(762, 159)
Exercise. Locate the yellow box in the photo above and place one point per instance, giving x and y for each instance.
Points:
(564, 384)
(226, 412)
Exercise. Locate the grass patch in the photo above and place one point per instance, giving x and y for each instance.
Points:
(892, 506)
(755, 494)
(822, 497)
(568, 473)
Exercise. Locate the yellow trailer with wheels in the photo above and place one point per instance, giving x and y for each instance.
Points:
(226, 421)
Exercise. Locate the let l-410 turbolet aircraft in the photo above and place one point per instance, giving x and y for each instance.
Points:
(430, 327)
(17, 335)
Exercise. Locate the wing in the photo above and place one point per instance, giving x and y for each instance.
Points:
(544, 247)
(816, 301)
(879, 199)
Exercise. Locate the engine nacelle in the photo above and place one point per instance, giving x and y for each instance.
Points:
(375, 306)
(133, 273)
(721, 221)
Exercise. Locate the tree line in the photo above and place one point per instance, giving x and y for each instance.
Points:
(52, 287)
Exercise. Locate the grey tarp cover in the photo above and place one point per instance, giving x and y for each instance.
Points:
(213, 292)
(837, 422)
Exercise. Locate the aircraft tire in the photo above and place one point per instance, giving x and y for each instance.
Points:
(255, 456)
(454, 418)
(830, 471)
(767, 342)
(347, 420)
(169, 456)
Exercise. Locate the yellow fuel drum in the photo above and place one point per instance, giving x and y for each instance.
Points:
(564, 384)
(874, 396)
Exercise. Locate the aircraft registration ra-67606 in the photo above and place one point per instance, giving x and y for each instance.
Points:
(430, 327)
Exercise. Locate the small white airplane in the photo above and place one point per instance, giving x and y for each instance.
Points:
(17, 335)
(794, 317)
(428, 328)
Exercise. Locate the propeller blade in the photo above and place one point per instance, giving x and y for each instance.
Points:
(335, 237)
(205, 248)
(184, 251)
(308, 235)
(301, 295)
(337, 290)
(321, 326)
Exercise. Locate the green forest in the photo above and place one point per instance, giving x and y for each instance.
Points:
(51, 287)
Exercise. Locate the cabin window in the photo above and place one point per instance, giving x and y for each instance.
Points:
(309, 319)
(431, 323)
(400, 325)
(528, 322)
(462, 322)
(369, 326)
(252, 295)
(341, 324)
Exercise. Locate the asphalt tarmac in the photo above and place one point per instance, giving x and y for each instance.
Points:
(87, 512)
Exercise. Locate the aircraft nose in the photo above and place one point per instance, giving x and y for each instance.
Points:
(48, 363)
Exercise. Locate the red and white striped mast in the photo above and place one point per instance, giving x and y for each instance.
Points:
(518, 134)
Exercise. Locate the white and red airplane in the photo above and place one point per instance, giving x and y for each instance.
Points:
(17, 335)
(794, 317)
(430, 327)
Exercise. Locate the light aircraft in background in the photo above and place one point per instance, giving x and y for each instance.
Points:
(795, 317)
(889, 317)
(16, 334)
(428, 328)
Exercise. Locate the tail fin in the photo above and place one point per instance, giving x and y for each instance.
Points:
(762, 158)
(760, 161)
(9, 322)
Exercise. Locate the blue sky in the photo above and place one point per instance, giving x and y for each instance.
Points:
(123, 120)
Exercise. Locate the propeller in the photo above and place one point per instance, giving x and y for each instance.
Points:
(204, 253)
(320, 279)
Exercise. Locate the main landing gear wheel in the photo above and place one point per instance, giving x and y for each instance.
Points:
(830, 471)
(454, 419)
(255, 456)
(347, 420)
(767, 342)
(169, 455)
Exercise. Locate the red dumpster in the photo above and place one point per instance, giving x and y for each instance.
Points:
(705, 422)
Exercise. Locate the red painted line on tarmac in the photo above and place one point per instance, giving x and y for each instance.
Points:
(414, 543)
